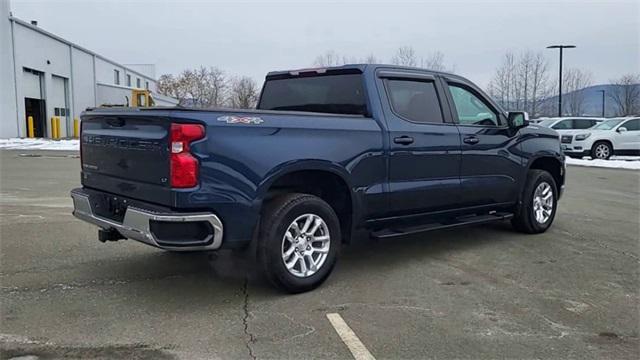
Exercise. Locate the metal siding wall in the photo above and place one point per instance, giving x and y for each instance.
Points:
(113, 95)
(42, 53)
(83, 86)
(8, 109)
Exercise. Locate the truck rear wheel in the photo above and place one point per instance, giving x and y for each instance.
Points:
(298, 241)
(538, 203)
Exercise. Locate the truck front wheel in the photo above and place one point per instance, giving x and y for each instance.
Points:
(538, 203)
(298, 241)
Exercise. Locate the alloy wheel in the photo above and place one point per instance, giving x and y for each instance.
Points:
(602, 151)
(305, 245)
(543, 202)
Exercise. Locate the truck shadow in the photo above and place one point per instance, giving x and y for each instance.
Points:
(226, 270)
(363, 257)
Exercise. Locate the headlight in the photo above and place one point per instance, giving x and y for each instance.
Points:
(582, 136)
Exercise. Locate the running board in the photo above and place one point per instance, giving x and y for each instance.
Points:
(461, 221)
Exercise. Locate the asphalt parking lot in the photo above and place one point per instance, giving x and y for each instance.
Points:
(481, 292)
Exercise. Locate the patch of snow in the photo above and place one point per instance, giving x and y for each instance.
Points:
(615, 162)
(39, 144)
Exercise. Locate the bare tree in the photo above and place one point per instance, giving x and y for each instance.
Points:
(218, 84)
(243, 93)
(435, 62)
(202, 87)
(169, 85)
(521, 82)
(626, 94)
(502, 83)
(574, 82)
(331, 58)
(540, 88)
(405, 56)
(370, 59)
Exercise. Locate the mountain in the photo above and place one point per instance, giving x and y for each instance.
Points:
(592, 101)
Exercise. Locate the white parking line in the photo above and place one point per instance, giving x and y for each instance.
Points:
(357, 348)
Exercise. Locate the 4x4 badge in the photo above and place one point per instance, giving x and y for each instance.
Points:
(251, 120)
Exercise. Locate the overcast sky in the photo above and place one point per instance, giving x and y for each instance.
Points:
(252, 38)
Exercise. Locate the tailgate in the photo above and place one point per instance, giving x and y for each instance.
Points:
(127, 155)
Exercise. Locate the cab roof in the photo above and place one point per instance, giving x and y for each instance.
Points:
(351, 68)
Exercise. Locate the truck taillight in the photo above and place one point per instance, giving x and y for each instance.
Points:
(184, 167)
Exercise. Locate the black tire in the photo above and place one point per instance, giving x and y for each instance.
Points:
(277, 216)
(598, 148)
(525, 217)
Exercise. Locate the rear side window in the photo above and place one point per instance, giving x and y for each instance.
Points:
(632, 125)
(563, 125)
(336, 94)
(583, 123)
(415, 100)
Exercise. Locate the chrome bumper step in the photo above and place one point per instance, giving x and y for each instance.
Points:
(136, 223)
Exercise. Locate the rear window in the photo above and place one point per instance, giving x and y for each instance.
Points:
(334, 94)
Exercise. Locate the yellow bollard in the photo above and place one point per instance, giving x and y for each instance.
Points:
(30, 129)
(76, 128)
(57, 127)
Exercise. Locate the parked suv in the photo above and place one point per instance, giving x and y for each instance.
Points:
(329, 155)
(569, 123)
(618, 136)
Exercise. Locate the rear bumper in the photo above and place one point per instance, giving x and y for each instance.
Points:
(137, 225)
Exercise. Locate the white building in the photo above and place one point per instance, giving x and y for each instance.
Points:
(43, 75)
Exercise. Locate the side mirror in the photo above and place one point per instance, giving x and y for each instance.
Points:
(622, 129)
(518, 119)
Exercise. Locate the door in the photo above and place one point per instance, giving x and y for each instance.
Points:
(58, 100)
(34, 103)
(628, 141)
(424, 156)
(490, 167)
(36, 109)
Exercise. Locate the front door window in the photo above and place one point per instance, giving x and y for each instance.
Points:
(471, 109)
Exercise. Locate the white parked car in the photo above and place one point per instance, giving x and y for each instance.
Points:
(618, 136)
(561, 124)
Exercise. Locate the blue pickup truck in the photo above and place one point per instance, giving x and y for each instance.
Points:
(329, 155)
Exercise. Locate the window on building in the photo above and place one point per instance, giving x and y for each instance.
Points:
(146, 85)
(138, 83)
(128, 80)
(116, 77)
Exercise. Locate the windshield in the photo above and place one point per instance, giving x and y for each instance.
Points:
(337, 94)
(547, 123)
(607, 125)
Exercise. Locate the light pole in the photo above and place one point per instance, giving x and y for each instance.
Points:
(561, 47)
(602, 91)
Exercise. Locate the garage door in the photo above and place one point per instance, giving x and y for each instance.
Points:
(58, 100)
(32, 84)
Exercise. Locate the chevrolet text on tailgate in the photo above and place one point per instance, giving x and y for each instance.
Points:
(329, 155)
